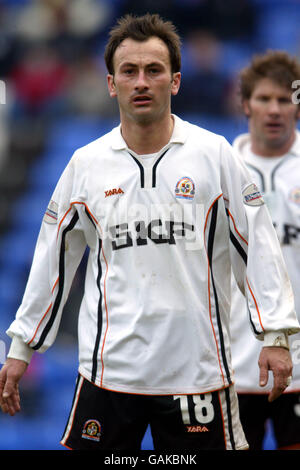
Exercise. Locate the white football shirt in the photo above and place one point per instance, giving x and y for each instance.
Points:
(162, 239)
(278, 180)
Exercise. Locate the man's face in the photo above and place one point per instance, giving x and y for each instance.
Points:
(143, 82)
(272, 116)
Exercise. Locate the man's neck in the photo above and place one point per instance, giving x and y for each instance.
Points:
(261, 148)
(147, 138)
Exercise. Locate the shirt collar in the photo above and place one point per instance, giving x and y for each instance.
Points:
(178, 136)
(243, 143)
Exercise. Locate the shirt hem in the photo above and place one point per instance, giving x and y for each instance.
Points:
(265, 392)
(120, 388)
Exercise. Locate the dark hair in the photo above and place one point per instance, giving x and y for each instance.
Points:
(141, 28)
(278, 66)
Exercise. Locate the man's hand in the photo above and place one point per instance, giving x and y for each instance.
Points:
(279, 361)
(10, 375)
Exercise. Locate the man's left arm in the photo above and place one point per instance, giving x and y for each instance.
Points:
(260, 271)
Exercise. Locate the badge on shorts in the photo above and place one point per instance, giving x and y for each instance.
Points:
(51, 213)
(91, 430)
(252, 196)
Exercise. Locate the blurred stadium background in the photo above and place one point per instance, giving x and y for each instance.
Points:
(51, 62)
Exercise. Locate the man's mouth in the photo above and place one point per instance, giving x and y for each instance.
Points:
(141, 100)
(273, 126)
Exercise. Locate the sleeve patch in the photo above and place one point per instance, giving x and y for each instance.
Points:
(51, 213)
(252, 196)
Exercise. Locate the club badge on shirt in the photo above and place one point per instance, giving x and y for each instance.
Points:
(294, 195)
(252, 195)
(185, 188)
(51, 213)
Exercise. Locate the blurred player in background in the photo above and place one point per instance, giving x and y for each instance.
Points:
(271, 151)
(154, 200)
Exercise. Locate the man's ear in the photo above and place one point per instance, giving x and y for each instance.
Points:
(111, 86)
(246, 108)
(176, 79)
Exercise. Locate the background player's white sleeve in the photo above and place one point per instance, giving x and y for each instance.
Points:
(59, 250)
(256, 257)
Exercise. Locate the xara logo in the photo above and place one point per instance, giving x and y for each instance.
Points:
(112, 192)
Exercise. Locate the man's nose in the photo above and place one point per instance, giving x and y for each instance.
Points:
(141, 81)
(274, 107)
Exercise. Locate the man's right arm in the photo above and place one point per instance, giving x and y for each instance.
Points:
(53, 268)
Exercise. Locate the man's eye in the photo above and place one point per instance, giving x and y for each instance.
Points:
(128, 71)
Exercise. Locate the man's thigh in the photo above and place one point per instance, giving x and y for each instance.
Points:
(101, 419)
(286, 420)
(254, 412)
(197, 422)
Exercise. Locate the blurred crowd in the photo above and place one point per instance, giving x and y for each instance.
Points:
(51, 63)
(52, 66)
